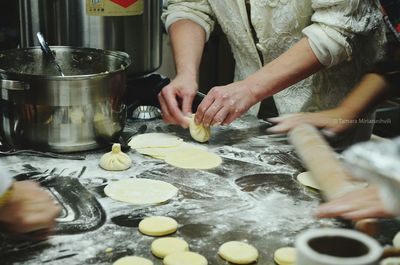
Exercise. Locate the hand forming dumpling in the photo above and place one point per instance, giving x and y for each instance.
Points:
(115, 160)
(199, 132)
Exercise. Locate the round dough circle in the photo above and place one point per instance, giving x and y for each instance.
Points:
(198, 131)
(306, 179)
(162, 247)
(158, 226)
(154, 140)
(396, 240)
(285, 256)
(185, 258)
(193, 159)
(132, 260)
(140, 191)
(238, 252)
(162, 152)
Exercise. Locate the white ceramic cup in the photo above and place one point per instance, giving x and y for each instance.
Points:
(336, 246)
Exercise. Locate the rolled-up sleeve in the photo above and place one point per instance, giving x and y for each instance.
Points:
(337, 25)
(198, 11)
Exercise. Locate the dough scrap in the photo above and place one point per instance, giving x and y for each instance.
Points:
(140, 191)
(158, 226)
(115, 160)
(199, 132)
(162, 247)
(162, 152)
(285, 256)
(132, 260)
(193, 158)
(396, 240)
(152, 140)
(185, 258)
(307, 180)
(238, 252)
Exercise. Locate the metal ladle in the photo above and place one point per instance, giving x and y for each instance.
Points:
(48, 52)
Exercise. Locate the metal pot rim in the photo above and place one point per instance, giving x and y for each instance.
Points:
(119, 54)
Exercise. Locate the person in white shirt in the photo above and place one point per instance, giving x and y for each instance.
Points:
(306, 54)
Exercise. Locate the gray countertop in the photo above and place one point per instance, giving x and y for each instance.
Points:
(253, 197)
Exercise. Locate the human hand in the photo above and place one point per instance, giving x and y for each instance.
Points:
(29, 208)
(224, 104)
(355, 205)
(332, 121)
(176, 99)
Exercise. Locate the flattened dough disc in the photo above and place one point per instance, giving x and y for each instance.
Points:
(162, 247)
(238, 252)
(193, 159)
(185, 258)
(158, 226)
(132, 260)
(306, 179)
(140, 191)
(285, 256)
(162, 152)
(154, 140)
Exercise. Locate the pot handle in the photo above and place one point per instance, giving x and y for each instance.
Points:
(13, 85)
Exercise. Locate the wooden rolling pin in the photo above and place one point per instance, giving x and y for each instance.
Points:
(321, 161)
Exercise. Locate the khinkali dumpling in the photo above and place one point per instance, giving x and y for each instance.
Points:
(115, 160)
(199, 132)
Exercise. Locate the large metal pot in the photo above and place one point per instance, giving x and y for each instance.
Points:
(76, 112)
(133, 27)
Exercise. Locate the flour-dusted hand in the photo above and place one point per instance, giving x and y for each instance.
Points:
(331, 121)
(356, 205)
(29, 208)
(176, 100)
(224, 104)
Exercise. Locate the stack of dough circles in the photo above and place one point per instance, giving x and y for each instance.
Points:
(162, 247)
(132, 260)
(158, 226)
(185, 258)
(193, 159)
(285, 256)
(141, 191)
(307, 180)
(162, 152)
(149, 140)
(199, 132)
(238, 252)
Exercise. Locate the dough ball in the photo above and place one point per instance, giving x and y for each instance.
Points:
(199, 132)
(396, 240)
(115, 160)
(285, 256)
(162, 247)
(306, 179)
(132, 260)
(193, 159)
(141, 191)
(185, 258)
(158, 226)
(149, 140)
(238, 252)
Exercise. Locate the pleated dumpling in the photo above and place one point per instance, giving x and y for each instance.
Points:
(115, 160)
(199, 132)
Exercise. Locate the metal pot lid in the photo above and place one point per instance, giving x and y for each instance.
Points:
(75, 62)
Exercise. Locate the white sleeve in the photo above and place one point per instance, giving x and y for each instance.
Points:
(5, 179)
(333, 35)
(198, 11)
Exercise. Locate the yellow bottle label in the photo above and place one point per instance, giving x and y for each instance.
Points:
(114, 7)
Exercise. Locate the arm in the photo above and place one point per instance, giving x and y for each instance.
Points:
(365, 96)
(189, 24)
(188, 40)
(226, 103)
